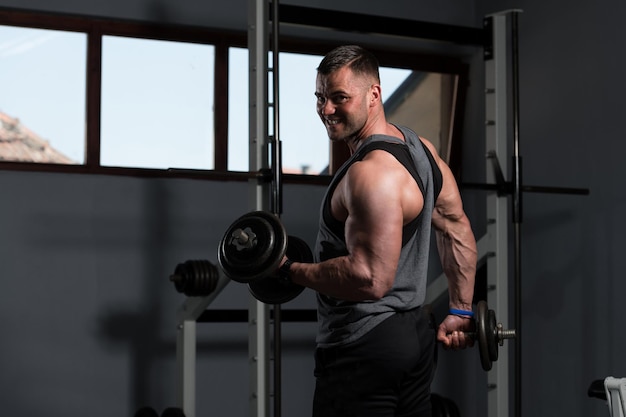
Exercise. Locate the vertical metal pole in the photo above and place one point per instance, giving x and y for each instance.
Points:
(258, 316)
(496, 105)
(186, 365)
(277, 361)
(277, 202)
(186, 318)
(517, 218)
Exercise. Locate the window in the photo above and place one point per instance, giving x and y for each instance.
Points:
(238, 109)
(42, 104)
(157, 104)
(305, 147)
(90, 96)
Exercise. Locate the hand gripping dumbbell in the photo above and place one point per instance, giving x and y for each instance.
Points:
(488, 334)
(251, 251)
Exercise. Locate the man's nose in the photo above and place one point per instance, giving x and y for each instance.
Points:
(327, 108)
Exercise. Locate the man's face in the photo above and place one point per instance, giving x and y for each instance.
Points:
(343, 103)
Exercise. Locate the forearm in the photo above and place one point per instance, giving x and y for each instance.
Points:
(341, 278)
(457, 250)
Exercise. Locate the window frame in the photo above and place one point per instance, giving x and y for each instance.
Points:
(95, 28)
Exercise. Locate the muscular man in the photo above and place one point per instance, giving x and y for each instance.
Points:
(376, 346)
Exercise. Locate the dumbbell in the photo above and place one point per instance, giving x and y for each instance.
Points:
(195, 278)
(488, 334)
(251, 250)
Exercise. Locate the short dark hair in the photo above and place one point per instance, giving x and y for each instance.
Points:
(357, 58)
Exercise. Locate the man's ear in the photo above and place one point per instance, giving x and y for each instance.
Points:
(375, 94)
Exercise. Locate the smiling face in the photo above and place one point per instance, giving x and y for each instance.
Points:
(344, 103)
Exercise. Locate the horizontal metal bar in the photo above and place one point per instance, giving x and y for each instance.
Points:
(264, 175)
(364, 23)
(554, 190)
(241, 316)
(507, 188)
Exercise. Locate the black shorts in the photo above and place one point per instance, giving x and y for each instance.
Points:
(386, 373)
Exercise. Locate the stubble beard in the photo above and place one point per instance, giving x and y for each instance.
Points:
(344, 131)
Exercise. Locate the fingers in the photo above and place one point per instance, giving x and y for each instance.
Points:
(451, 334)
(282, 262)
(456, 340)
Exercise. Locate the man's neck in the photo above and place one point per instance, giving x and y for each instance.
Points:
(387, 129)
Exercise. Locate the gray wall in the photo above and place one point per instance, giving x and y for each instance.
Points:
(87, 306)
(572, 132)
(84, 260)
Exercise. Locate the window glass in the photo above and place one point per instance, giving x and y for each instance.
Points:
(305, 145)
(157, 104)
(238, 99)
(42, 98)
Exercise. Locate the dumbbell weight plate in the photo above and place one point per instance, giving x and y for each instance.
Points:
(195, 278)
(270, 289)
(482, 335)
(248, 262)
(492, 340)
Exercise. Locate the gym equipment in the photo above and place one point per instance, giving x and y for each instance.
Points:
(195, 278)
(489, 334)
(252, 247)
(613, 392)
(270, 289)
(251, 251)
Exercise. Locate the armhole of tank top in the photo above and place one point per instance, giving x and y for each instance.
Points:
(437, 175)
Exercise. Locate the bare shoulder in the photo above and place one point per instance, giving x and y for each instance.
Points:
(365, 183)
(433, 150)
(378, 169)
(381, 184)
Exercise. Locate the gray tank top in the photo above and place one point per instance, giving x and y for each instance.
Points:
(342, 322)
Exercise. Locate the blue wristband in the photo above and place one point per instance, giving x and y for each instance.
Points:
(461, 313)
